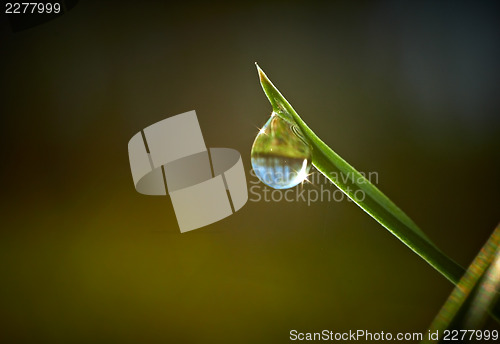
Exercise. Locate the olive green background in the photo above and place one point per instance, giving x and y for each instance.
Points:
(406, 89)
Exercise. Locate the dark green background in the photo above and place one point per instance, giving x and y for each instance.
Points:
(406, 89)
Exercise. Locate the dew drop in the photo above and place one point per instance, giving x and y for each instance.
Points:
(281, 157)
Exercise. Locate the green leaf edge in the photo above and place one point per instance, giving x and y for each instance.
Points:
(378, 206)
(456, 302)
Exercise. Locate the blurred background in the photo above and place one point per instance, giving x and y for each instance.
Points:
(409, 90)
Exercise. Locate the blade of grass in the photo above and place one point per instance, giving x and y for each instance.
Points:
(475, 294)
(375, 203)
(485, 300)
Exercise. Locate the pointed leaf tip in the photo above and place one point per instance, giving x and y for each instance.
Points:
(262, 75)
(377, 205)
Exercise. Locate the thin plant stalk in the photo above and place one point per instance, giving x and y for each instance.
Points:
(349, 180)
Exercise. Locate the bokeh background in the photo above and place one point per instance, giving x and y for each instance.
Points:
(407, 89)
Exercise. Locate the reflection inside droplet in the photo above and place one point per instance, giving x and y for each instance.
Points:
(281, 157)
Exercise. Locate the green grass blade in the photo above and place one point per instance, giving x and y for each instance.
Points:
(475, 294)
(375, 203)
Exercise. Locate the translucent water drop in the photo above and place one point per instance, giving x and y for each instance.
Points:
(281, 157)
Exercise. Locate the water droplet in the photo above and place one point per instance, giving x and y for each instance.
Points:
(281, 157)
